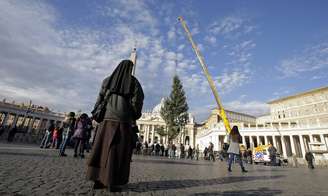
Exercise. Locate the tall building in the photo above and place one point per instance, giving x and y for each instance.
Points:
(296, 124)
(307, 108)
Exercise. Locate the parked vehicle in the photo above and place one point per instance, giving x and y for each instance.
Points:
(261, 155)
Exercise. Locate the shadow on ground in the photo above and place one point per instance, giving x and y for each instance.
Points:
(251, 192)
(188, 183)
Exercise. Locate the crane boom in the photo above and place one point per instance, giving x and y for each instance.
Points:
(208, 76)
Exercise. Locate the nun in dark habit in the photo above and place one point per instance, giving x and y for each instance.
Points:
(109, 163)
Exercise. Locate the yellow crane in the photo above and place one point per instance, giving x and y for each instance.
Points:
(208, 76)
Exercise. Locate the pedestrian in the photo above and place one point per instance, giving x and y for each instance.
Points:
(249, 156)
(166, 149)
(55, 135)
(162, 149)
(12, 133)
(211, 152)
(309, 159)
(47, 136)
(145, 148)
(174, 149)
(68, 129)
(189, 153)
(235, 139)
(2, 129)
(88, 130)
(182, 151)
(272, 154)
(79, 136)
(205, 153)
(157, 149)
(197, 152)
(122, 96)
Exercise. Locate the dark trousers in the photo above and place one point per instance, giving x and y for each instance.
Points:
(45, 140)
(63, 144)
(232, 157)
(211, 157)
(310, 164)
(79, 143)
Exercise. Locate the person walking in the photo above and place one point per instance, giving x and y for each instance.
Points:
(211, 152)
(235, 139)
(122, 96)
(48, 135)
(79, 135)
(68, 129)
(88, 131)
(272, 154)
(309, 159)
(190, 150)
(55, 135)
(197, 152)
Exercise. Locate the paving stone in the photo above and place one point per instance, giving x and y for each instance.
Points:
(29, 170)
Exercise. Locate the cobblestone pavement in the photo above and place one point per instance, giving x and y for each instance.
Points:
(29, 170)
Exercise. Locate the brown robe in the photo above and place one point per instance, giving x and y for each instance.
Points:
(111, 153)
(110, 158)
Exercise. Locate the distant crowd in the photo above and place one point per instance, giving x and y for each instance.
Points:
(75, 132)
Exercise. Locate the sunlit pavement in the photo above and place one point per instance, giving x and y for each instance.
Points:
(29, 170)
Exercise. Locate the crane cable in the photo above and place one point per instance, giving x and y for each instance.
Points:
(208, 76)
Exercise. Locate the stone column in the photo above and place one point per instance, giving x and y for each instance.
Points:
(5, 119)
(302, 145)
(311, 138)
(244, 141)
(152, 133)
(30, 124)
(148, 130)
(15, 120)
(292, 144)
(283, 146)
(266, 140)
(274, 141)
(145, 133)
(322, 139)
(40, 124)
(251, 142)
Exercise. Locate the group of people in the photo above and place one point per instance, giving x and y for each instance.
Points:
(73, 131)
(167, 150)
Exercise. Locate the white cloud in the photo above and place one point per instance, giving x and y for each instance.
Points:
(255, 108)
(210, 39)
(230, 81)
(39, 61)
(311, 59)
(232, 26)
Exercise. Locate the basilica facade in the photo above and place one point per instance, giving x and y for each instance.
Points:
(151, 126)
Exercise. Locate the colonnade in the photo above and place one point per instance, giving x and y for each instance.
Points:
(147, 132)
(27, 122)
(289, 142)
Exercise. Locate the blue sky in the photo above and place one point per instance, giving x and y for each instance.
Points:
(57, 52)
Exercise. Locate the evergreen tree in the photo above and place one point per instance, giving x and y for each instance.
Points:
(175, 109)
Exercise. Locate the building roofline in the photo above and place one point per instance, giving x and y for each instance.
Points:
(234, 112)
(298, 94)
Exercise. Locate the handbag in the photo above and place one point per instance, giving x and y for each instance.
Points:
(98, 114)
